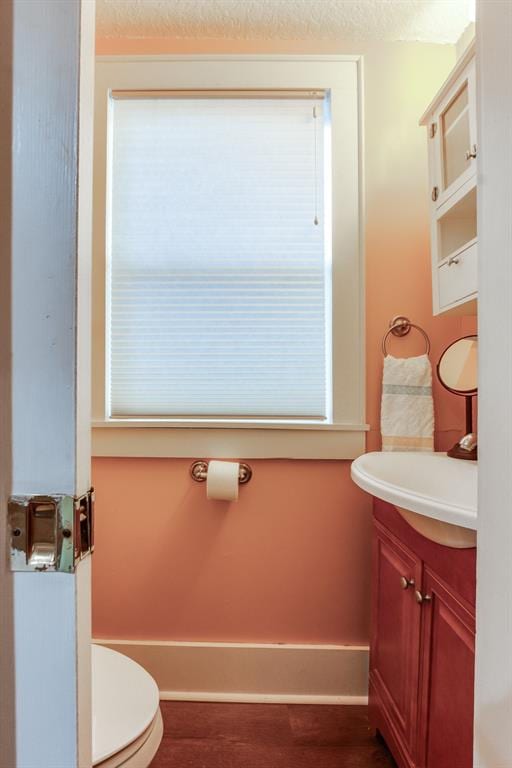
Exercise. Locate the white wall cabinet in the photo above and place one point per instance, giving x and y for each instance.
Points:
(453, 149)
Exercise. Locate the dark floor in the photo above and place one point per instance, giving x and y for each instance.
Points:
(267, 736)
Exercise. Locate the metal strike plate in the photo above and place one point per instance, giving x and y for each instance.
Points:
(50, 533)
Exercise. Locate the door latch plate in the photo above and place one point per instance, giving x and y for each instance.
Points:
(50, 532)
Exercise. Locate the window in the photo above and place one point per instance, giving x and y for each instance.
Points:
(227, 252)
(219, 261)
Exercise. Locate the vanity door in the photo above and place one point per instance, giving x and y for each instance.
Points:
(395, 638)
(447, 656)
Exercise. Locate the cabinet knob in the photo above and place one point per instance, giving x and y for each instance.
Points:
(471, 153)
(435, 193)
(422, 598)
(453, 260)
(405, 582)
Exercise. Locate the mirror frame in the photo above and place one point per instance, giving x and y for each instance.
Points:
(461, 393)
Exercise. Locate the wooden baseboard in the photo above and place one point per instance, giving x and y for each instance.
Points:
(252, 673)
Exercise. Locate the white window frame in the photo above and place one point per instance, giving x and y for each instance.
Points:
(344, 438)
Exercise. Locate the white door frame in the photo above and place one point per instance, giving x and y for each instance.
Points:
(45, 227)
(493, 688)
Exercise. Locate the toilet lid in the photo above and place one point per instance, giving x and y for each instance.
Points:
(125, 701)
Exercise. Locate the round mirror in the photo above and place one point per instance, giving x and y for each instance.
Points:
(458, 366)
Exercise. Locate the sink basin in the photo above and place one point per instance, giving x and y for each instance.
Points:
(437, 495)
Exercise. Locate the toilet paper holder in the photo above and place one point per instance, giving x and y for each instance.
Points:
(199, 472)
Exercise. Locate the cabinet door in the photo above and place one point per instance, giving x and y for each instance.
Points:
(395, 635)
(447, 652)
(455, 136)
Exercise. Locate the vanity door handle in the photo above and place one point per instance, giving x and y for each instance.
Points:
(405, 583)
(453, 260)
(471, 153)
(422, 598)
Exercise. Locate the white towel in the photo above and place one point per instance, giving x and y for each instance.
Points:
(407, 410)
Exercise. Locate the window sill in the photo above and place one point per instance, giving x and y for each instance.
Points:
(227, 440)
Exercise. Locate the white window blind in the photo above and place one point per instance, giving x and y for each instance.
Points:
(219, 263)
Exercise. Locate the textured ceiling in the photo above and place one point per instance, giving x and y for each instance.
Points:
(440, 21)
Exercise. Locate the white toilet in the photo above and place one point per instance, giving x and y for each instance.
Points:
(126, 722)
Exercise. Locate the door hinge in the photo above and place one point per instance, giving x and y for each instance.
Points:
(432, 130)
(50, 532)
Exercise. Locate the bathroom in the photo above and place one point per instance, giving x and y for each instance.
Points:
(253, 616)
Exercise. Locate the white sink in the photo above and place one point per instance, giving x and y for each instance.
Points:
(437, 495)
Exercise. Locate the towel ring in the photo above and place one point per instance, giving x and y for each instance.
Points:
(400, 326)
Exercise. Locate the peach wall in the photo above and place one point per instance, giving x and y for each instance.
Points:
(290, 561)
(263, 569)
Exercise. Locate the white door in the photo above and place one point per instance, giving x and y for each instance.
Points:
(46, 76)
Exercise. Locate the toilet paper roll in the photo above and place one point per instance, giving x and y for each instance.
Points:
(222, 480)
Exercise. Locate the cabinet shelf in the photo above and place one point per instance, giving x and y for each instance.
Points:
(456, 223)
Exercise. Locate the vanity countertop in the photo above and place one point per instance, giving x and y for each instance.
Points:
(430, 484)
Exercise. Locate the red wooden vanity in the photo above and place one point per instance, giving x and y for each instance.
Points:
(422, 645)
